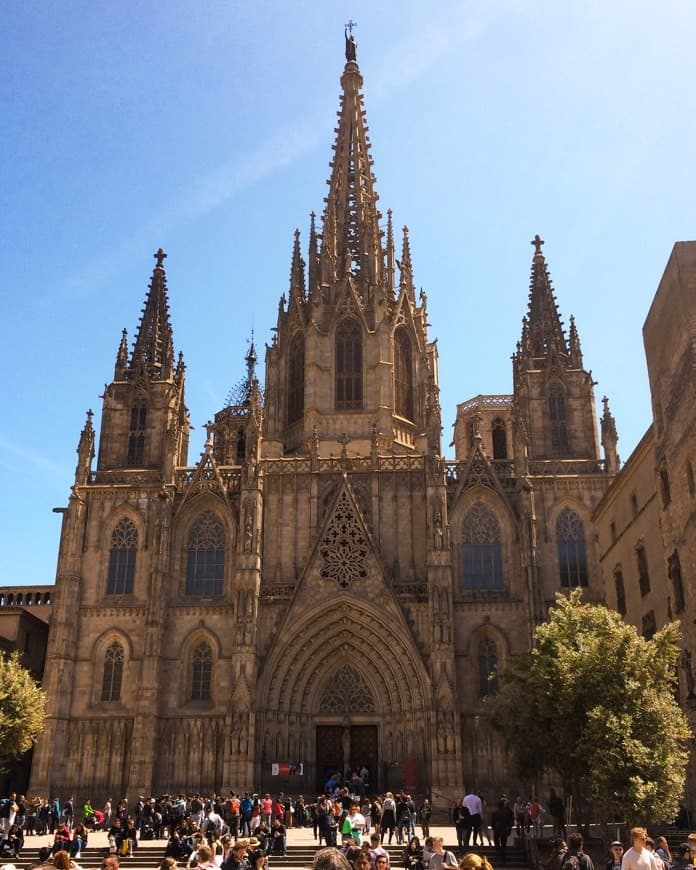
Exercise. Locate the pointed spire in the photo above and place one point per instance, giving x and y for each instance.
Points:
(406, 269)
(154, 343)
(85, 451)
(574, 345)
(391, 260)
(352, 201)
(610, 438)
(251, 360)
(122, 357)
(313, 261)
(298, 292)
(545, 330)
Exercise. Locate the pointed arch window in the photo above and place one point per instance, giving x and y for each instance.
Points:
(499, 438)
(620, 590)
(202, 672)
(349, 377)
(136, 433)
(403, 374)
(124, 547)
(296, 364)
(488, 667)
(205, 563)
(112, 674)
(572, 556)
(482, 551)
(560, 446)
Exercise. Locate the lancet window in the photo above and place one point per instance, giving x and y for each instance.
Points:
(136, 433)
(349, 375)
(572, 555)
(482, 551)
(205, 563)
(124, 547)
(112, 675)
(202, 672)
(296, 362)
(560, 446)
(403, 374)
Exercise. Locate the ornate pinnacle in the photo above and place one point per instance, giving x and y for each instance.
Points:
(544, 333)
(154, 343)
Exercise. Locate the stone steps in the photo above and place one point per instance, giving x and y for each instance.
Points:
(150, 852)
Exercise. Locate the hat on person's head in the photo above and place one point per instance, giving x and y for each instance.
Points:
(617, 843)
(254, 843)
(44, 854)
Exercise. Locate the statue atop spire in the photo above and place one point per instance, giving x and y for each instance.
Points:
(351, 45)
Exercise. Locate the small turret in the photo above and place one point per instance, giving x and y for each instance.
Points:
(610, 438)
(85, 452)
(574, 344)
(406, 269)
(122, 357)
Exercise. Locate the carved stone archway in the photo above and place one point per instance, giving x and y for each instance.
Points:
(345, 661)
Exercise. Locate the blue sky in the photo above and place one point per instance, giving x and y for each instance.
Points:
(206, 128)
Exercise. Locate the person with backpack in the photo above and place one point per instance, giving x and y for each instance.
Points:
(575, 858)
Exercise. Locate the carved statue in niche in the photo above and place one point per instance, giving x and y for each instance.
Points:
(248, 530)
(438, 534)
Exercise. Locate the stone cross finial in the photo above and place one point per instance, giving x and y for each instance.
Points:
(160, 256)
(537, 241)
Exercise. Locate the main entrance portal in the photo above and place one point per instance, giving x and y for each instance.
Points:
(344, 749)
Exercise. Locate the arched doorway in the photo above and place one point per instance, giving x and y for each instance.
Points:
(348, 683)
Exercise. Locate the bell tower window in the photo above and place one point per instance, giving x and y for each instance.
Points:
(560, 446)
(296, 378)
(499, 438)
(349, 378)
(136, 434)
(403, 374)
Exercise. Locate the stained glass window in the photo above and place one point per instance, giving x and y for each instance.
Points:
(124, 546)
(112, 673)
(570, 541)
(202, 672)
(205, 565)
(482, 550)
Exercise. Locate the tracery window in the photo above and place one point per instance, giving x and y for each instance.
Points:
(348, 365)
(403, 374)
(482, 550)
(572, 556)
(296, 364)
(560, 446)
(488, 667)
(112, 674)
(201, 677)
(136, 433)
(649, 625)
(343, 548)
(205, 564)
(347, 692)
(499, 438)
(124, 546)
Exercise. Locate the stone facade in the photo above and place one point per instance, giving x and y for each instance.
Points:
(646, 523)
(322, 587)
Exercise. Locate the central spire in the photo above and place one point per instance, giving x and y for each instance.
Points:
(351, 243)
(154, 345)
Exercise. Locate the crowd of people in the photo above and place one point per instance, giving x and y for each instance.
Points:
(240, 832)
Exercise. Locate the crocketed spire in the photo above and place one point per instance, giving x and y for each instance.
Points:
(544, 331)
(154, 343)
(352, 239)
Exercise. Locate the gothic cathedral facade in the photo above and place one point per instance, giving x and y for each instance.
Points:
(321, 587)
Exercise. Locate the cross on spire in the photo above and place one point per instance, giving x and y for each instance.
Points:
(537, 241)
(160, 256)
(350, 25)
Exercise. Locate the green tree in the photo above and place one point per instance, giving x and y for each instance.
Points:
(22, 708)
(594, 703)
